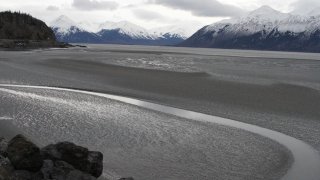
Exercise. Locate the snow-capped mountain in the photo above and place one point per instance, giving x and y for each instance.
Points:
(264, 28)
(122, 32)
(89, 26)
(180, 30)
(65, 25)
(127, 28)
(66, 30)
(171, 31)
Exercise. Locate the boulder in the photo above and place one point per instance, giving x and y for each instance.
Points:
(24, 155)
(22, 175)
(95, 163)
(65, 167)
(6, 169)
(5, 174)
(128, 178)
(3, 146)
(20, 159)
(47, 169)
(4, 161)
(78, 175)
(79, 157)
(56, 170)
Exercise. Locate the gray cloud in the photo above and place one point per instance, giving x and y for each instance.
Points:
(90, 5)
(147, 15)
(52, 8)
(303, 6)
(210, 8)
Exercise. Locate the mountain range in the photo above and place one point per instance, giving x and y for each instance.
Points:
(123, 32)
(262, 29)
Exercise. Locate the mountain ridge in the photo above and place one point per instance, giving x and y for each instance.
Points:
(261, 29)
(122, 32)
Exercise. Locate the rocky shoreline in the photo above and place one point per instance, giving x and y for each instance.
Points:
(20, 159)
(16, 44)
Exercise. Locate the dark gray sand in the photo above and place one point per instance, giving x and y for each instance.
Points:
(7, 128)
(142, 143)
(279, 91)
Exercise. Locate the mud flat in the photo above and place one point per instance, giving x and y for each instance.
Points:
(275, 91)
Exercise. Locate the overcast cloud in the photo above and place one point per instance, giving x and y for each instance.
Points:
(52, 8)
(91, 5)
(304, 6)
(147, 15)
(150, 13)
(202, 8)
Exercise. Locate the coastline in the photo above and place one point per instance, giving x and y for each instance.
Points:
(24, 44)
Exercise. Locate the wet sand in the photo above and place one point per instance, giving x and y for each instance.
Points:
(7, 129)
(278, 91)
(146, 143)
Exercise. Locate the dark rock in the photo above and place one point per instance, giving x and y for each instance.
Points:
(6, 169)
(61, 169)
(21, 175)
(37, 176)
(56, 170)
(24, 155)
(63, 161)
(4, 161)
(25, 175)
(64, 166)
(47, 169)
(79, 157)
(64, 151)
(78, 175)
(5, 174)
(95, 163)
(129, 178)
(3, 146)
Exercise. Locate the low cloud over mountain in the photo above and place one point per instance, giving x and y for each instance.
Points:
(90, 5)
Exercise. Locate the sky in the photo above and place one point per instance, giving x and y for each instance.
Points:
(150, 13)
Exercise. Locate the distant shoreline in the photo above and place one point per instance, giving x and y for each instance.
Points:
(23, 44)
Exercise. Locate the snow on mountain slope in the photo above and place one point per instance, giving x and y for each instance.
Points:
(265, 19)
(266, 14)
(173, 31)
(66, 30)
(128, 28)
(263, 29)
(122, 32)
(89, 26)
(181, 30)
(64, 25)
